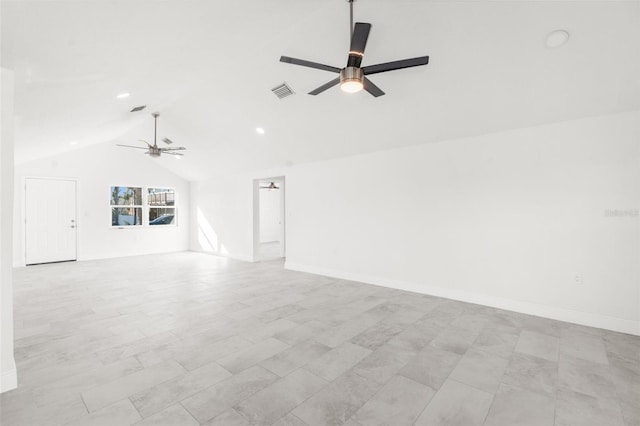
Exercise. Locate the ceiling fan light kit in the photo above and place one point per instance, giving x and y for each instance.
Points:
(353, 77)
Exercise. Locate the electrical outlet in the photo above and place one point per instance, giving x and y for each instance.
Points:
(579, 279)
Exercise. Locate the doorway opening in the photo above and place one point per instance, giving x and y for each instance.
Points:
(269, 218)
(50, 220)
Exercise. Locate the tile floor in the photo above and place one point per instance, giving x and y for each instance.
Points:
(186, 339)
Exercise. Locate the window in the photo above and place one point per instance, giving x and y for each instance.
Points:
(126, 206)
(162, 206)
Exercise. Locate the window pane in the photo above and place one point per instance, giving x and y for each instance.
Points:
(162, 216)
(126, 196)
(126, 216)
(161, 197)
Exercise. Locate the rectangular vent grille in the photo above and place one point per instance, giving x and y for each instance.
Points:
(282, 91)
(138, 108)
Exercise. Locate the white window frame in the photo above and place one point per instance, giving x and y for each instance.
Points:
(149, 206)
(146, 207)
(140, 206)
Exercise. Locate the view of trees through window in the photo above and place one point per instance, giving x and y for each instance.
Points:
(128, 204)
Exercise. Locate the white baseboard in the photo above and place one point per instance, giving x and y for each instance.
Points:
(9, 379)
(560, 314)
(242, 257)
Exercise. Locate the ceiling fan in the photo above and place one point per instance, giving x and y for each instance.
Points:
(353, 77)
(271, 187)
(154, 150)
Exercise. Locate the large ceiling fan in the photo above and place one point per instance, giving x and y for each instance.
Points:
(353, 77)
(154, 150)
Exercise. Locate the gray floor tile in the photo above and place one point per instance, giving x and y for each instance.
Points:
(302, 332)
(376, 335)
(205, 354)
(291, 359)
(583, 346)
(538, 344)
(289, 420)
(229, 417)
(176, 415)
(431, 366)
(480, 369)
(532, 373)
(213, 401)
(454, 339)
(108, 393)
(574, 409)
(630, 413)
(456, 404)
(275, 401)
(383, 363)
(496, 342)
(121, 413)
(60, 390)
(56, 414)
(586, 377)
(82, 330)
(157, 398)
(517, 407)
(414, 338)
(338, 360)
(337, 402)
(252, 355)
(398, 403)
(335, 336)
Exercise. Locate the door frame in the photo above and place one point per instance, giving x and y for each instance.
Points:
(281, 180)
(24, 211)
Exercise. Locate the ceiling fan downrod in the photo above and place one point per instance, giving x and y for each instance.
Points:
(350, 20)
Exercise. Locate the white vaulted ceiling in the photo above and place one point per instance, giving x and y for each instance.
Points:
(208, 67)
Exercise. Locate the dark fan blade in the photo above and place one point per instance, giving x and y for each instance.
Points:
(131, 146)
(358, 43)
(395, 65)
(372, 88)
(309, 64)
(325, 86)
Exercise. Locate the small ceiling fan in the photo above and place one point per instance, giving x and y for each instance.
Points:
(154, 150)
(271, 187)
(353, 77)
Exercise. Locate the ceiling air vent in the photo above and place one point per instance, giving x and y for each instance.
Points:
(138, 108)
(282, 91)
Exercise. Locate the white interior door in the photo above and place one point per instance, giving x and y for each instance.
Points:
(50, 220)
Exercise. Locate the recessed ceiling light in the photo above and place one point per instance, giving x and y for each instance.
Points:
(260, 130)
(122, 95)
(557, 38)
(73, 143)
(177, 157)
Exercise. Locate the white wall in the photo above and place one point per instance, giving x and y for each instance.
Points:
(97, 168)
(270, 221)
(8, 373)
(222, 218)
(507, 219)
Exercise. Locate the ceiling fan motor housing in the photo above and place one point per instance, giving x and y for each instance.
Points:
(154, 151)
(351, 77)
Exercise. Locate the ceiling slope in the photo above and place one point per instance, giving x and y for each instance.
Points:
(208, 67)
